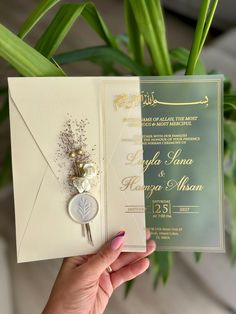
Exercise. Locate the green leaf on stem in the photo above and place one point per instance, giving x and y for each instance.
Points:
(64, 20)
(181, 55)
(230, 100)
(227, 85)
(162, 264)
(41, 9)
(197, 256)
(203, 25)
(104, 53)
(230, 191)
(230, 139)
(122, 39)
(128, 287)
(26, 60)
(150, 21)
(135, 39)
(94, 19)
(157, 18)
(207, 25)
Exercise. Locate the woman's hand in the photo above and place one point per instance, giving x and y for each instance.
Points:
(84, 285)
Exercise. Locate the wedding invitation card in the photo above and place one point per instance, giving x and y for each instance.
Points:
(182, 145)
(95, 155)
(181, 155)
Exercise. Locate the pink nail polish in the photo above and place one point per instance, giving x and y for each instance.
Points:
(117, 240)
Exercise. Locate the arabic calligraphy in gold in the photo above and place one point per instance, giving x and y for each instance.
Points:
(128, 101)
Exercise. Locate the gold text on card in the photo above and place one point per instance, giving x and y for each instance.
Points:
(128, 101)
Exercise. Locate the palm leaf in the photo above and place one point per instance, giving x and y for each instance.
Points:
(151, 25)
(203, 25)
(208, 24)
(62, 23)
(41, 9)
(181, 55)
(162, 264)
(26, 60)
(105, 54)
(135, 39)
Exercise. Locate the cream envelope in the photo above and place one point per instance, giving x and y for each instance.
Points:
(38, 110)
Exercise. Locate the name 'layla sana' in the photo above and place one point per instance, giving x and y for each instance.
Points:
(132, 183)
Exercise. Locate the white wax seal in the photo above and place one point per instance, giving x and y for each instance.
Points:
(83, 208)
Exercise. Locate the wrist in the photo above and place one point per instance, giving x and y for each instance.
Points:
(54, 308)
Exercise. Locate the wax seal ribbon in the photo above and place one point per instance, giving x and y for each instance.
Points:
(83, 206)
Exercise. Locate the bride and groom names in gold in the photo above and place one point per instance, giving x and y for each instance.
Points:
(172, 158)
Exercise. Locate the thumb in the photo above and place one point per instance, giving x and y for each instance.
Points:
(107, 254)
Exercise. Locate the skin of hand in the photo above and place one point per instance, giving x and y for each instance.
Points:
(83, 284)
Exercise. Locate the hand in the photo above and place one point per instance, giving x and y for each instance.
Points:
(84, 286)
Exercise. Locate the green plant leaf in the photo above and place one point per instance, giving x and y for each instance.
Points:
(162, 264)
(230, 133)
(205, 18)
(128, 287)
(197, 256)
(40, 10)
(94, 19)
(122, 39)
(230, 139)
(62, 23)
(194, 52)
(227, 84)
(181, 56)
(156, 279)
(230, 100)
(156, 14)
(26, 60)
(104, 53)
(106, 64)
(107, 67)
(149, 18)
(135, 39)
(207, 25)
(230, 191)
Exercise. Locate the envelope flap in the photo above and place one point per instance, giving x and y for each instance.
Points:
(42, 102)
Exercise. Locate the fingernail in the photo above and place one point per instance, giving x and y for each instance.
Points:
(117, 240)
